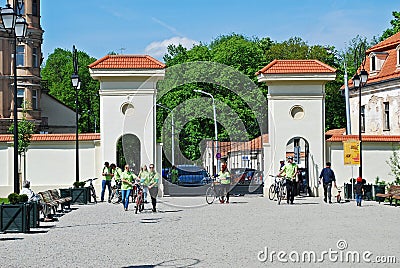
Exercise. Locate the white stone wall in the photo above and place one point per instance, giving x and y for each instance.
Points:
(51, 164)
(373, 97)
(374, 163)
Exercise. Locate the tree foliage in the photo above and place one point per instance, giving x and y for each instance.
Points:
(394, 164)
(246, 55)
(58, 70)
(395, 26)
(25, 130)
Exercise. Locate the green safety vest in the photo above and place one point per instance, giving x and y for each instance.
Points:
(107, 170)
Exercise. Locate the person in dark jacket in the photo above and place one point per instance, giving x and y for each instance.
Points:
(359, 190)
(328, 176)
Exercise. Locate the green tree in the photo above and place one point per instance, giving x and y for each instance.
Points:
(25, 130)
(58, 70)
(395, 26)
(394, 164)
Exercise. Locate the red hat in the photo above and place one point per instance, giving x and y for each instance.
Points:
(359, 179)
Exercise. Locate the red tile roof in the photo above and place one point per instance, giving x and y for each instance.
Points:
(228, 147)
(56, 137)
(338, 131)
(296, 66)
(365, 138)
(127, 62)
(385, 44)
(389, 69)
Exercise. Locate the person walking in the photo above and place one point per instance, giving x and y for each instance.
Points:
(225, 177)
(328, 176)
(144, 181)
(127, 181)
(106, 182)
(359, 190)
(153, 177)
(290, 172)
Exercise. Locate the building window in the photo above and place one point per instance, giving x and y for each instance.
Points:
(363, 118)
(35, 58)
(20, 55)
(398, 57)
(34, 99)
(20, 97)
(386, 125)
(373, 63)
(34, 8)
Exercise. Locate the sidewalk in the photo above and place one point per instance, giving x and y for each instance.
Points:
(187, 233)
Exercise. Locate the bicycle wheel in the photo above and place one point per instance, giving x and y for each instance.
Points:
(93, 191)
(138, 203)
(210, 195)
(271, 192)
(141, 205)
(115, 197)
(280, 194)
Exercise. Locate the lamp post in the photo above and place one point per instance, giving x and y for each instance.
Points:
(359, 81)
(76, 83)
(215, 128)
(16, 26)
(172, 134)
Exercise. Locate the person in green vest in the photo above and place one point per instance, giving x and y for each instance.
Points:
(153, 177)
(127, 179)
(107, 176)
(174, 175)
(289, 170)
(117, 173)
(225, 178)
(144, 181)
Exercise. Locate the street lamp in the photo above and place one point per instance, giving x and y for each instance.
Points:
(215, 129)
(76, 83)
(16, 26)
(359, 81)
(173, 133)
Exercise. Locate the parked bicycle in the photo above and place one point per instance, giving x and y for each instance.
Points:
(91, 189)
(116, 195)
(138, 197)
(278, 188)
(214, 192)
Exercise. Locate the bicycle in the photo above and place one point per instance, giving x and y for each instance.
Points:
(116, 195)
(139, 198)
(278, 188)
(92, 191)
(214, 191)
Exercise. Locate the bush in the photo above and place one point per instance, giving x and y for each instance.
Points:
(13, 198)
(23, 198)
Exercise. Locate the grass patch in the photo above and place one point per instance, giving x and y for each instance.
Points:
(3, 200)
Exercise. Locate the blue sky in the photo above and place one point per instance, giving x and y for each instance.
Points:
(147, 27)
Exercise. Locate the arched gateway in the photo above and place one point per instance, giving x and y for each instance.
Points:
(296, 114)
(127, 106)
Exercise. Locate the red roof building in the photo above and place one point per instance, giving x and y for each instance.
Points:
(380, 97)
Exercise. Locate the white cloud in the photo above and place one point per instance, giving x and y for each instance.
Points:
(159, 48)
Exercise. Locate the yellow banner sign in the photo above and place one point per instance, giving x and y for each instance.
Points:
(351, 149)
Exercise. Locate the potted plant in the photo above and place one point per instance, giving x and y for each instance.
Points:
(15, 216)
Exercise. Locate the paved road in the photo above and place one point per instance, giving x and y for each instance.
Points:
(186, 233)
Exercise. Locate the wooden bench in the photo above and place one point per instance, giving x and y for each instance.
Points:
(63, 201)
(393, 193)
(52, 199)
(396, 197)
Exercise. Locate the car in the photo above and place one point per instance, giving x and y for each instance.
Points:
(257, 177)
(241, 175)
(191, 175)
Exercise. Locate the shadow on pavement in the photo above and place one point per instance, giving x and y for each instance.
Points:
(178, 263)
(10, 238)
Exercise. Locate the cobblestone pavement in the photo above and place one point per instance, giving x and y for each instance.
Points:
(248, 232)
